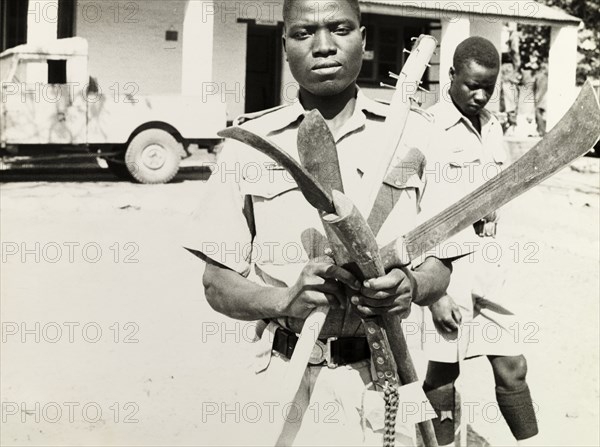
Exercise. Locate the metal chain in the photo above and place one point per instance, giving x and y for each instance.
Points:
(391, 410)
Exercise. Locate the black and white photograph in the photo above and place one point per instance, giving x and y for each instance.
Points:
(300, 223)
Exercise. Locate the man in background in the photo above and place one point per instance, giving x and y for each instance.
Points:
(473, 151)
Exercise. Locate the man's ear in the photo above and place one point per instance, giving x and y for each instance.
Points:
(452, 73)
(283, 42)
(363, 32)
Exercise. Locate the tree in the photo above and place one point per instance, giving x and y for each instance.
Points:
(536, 39)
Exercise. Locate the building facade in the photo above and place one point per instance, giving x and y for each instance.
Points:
(232, 49)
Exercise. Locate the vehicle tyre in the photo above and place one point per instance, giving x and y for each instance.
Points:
(153, 156)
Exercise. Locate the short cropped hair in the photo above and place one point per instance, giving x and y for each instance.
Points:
(288, 9)
(476, 49)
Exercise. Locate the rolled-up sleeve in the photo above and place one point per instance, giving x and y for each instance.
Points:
(220, 228)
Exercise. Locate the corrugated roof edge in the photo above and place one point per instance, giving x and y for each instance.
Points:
(516, 10)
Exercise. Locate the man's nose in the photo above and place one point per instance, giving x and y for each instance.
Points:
(323, 44)
(481, 96)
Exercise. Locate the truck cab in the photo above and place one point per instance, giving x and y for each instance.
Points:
(52, 107)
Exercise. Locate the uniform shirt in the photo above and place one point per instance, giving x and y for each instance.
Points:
(465, 159)
(469, 159)
(253, 217)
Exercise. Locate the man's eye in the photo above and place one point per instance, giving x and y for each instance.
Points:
(342, 30)
(303, 34)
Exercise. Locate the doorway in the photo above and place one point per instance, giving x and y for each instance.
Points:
(13, 21)
(263, 67)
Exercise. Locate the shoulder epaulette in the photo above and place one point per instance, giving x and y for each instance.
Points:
(382, 101)
(245, 117)
(414, 106)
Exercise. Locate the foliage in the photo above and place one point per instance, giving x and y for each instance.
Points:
(535, 41)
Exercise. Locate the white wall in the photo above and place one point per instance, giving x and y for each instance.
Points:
(42, 20)
(491, 29)
(562, 68)
(229, 63)
(127, 44)
(197, 47)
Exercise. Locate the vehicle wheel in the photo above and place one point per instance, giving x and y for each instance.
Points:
(153, 156)
(119, 168)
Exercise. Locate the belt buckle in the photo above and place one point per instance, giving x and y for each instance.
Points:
(321, 352)
(328, 357)
(318, 354)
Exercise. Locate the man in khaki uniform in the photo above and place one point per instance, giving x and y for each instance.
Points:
(250, 227)
(473, 154)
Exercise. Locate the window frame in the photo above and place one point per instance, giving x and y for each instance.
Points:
(376, 24)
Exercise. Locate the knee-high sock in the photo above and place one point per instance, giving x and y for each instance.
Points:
(517, 408)
(442, 401)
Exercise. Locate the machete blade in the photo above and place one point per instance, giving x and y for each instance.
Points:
(314, 193)
(576, 133)
(318, 152)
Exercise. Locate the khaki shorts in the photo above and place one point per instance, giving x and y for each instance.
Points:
(334, 406)
(488, 325)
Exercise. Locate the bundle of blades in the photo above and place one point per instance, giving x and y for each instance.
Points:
(347, 228)
(351, 240)
(576, 133)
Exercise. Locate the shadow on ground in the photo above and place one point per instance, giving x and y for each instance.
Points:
(474, 439)
(82, 174)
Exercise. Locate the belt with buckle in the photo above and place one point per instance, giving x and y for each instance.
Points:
(329, 352)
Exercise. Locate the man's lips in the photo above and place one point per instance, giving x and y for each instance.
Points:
(326, 67)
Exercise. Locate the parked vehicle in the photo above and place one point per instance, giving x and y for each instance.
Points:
(52, 108)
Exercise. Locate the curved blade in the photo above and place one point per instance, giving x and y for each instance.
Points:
(574, 135)
(318, 152)
(314, 193)
(571, 138)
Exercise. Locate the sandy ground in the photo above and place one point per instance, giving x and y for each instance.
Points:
(107, 338)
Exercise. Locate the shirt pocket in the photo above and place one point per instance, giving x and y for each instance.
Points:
(280, 214)
(402, 180)
(461, 157)
(266, 182)
(397, 203)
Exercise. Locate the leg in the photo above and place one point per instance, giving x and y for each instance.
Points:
(540, 118)
(439, 388)
(512, 393)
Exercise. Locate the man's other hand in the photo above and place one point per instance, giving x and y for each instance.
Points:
(446, 315)
(320, 283)
(391, 293)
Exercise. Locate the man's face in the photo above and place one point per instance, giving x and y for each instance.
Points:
(472, 86)
(324, 44)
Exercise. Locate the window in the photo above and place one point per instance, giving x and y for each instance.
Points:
(387, 37)
(57, 71)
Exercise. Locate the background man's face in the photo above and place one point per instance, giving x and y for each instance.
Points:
(324, 45)
(472, 87)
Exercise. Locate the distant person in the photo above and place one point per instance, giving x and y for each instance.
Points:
(473, 144)
(509, 91)
(541, 89)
